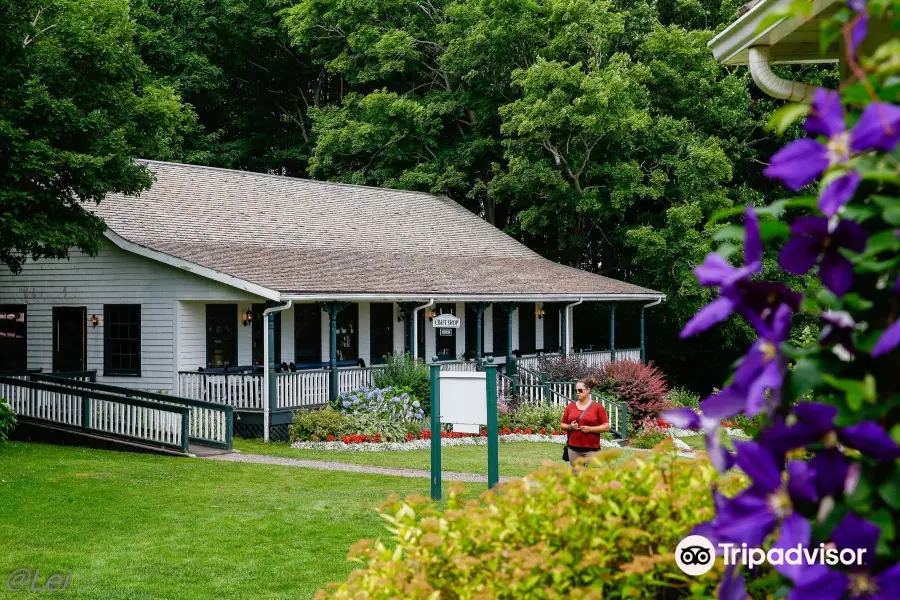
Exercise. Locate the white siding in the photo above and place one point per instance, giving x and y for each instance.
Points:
(538, 331)
(118, 277)
(399, 343)
(287, 335)
(461, 332)
(515, 329)
(489, 328)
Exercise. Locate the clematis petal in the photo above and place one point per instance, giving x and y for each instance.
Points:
(759, 464)
(795, 530)
(746, 519)
(715, 270)
(799, 163)
(859, 31)
(820, 416)
(802, 481)
(838, 193)
(800, 254)
(818, 582)
(781, 324)
(871, 439)
(732, 587)
(836, 272)
(753, 247)
(682, 418)
(855, 532)
(889, 340)
(725, 404)
(831, 468)
(877, 129)
(713, 313)
(771, 378)
(720, 458)
(780, 438)
(826, 115)
(850, 235)
(888, 581)
(857, 5)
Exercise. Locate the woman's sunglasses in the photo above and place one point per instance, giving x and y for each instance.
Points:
(580, 390)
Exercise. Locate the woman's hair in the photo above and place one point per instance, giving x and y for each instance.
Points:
(589, 382)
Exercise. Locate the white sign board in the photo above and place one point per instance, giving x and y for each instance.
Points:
(442, 321)
(464, 400)
(447, 332)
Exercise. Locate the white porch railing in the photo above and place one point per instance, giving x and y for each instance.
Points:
(302, 388)
(240, 390)
(533, 360)
(457, 365)
(354, 378)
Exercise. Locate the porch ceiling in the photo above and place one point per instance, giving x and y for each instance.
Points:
(310, 238)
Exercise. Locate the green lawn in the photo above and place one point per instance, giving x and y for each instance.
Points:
(698, 442)
(135, 526)
(516, 459)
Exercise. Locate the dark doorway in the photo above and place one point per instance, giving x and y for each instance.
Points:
(258, 322)
(13, 338)
(527, 328)
(69, 338)
(551, 326)
(348, 333)
(381, 331)
(501, 330)
(221, 335)
(308, 333)
(472, 330)
(445, 344)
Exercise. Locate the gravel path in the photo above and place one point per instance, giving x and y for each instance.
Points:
(348, 467)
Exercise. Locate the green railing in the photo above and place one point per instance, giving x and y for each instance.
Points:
(211, 424)
(157, 423)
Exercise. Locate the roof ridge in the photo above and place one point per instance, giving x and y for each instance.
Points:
(293, 178)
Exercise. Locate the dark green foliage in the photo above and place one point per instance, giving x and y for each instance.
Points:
(317, 425)
(401, 371)
(78, 105)
(7, 420)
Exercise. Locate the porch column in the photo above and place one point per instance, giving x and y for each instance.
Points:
(643, 351)
(510, 308)
(270, 364)
(563, 330)
(612, 332)
(479, 308)
(333, 308)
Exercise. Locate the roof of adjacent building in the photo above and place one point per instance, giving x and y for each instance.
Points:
(790, 39)
(303, 237)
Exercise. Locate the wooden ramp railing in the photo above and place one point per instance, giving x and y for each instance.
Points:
(116, 416)
(210, 424)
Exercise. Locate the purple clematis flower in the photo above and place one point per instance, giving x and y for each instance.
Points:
(762, 369)
(757, 511)
(890, 339)
(859, 31)
(818, 240)
(815, 424)
(801, 162)
(818, 582)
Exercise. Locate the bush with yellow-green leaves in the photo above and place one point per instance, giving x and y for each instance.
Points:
(607, 531)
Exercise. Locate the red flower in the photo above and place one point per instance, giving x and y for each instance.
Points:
(330, 438)
(543, 431)
(528, 431)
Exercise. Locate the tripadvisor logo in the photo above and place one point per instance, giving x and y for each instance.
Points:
(695, 555)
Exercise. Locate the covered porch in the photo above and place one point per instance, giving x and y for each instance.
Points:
(318, 350)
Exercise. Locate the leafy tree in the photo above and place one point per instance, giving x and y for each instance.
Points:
(76, 105)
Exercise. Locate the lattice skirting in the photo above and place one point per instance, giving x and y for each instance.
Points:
(277, 433)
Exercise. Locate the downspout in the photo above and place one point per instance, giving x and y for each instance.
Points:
(414, 343)
(268, 380)
(772, 84)
(566, 341)
(643, 347)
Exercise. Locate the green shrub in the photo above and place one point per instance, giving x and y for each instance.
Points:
(649, 433)
(390, 430)
(683, 397)
(401, 371)
(317, 425)
(535, 417)
(604, 532)
(7, 420)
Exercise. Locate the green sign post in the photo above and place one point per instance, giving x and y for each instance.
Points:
(490, 370)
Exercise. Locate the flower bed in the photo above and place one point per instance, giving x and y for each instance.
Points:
(424, 443)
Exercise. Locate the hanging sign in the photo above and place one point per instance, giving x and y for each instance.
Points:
(445, 321)
(446, 332)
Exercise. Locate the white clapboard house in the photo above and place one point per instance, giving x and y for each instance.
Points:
(174, 300)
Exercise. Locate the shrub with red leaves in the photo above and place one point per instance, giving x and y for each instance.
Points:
(642, 387)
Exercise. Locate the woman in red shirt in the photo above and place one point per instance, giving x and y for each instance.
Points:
(584, 420)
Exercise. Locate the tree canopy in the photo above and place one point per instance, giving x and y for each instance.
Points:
(601, 133)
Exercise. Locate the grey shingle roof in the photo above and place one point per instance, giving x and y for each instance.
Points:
(299, 236)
